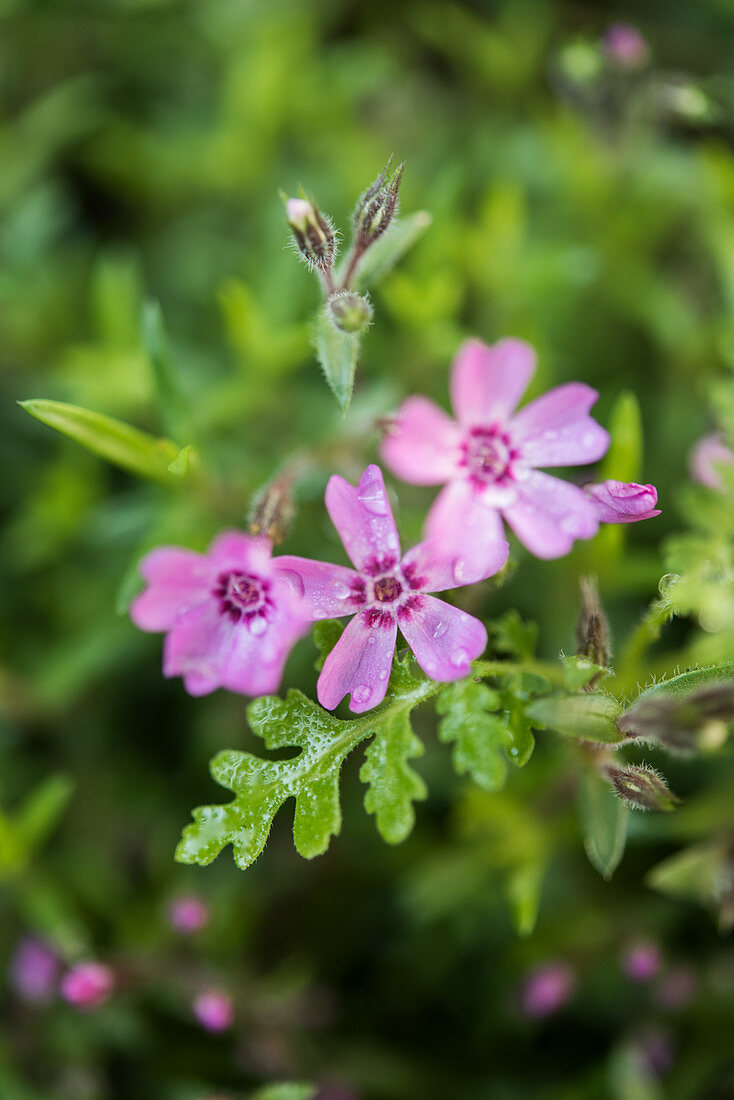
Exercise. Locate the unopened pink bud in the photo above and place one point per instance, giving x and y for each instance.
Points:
(622, 501)
(709, 453)
(547, 989)
(298, 212)
(641, 961)
(87, 985)
(34, 971)
(626, 46)
(214, 1010)
(188, 914)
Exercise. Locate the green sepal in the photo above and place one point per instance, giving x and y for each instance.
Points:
(588, 717)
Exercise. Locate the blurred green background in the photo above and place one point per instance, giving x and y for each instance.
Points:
(585, 205)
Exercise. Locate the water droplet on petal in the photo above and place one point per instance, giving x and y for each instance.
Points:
(375, 502)
(258, 625)
(570, 525)
(459, 657)
(361, 693)
(371, 640)
(440, 630)
(383, 674)
(319, 613)
(459, 571)
(340, 590)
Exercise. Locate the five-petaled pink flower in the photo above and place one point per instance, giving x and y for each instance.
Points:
(230, 618)
(385, 591)
(489, 456)
(623, 501)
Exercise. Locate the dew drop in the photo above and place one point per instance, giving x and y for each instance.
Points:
(340, 590)
(258, 625)
(361, 694)
(459, 571)
(570, 525)
(383, 674)
(459, 657)
(440, 630)
(375, 502)
(319, 613)
(371, 640)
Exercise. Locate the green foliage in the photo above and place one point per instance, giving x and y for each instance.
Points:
(118, 443)
(702, 873)
(285, 1091)
(484, 731)
(588, 717)
(337, 353)
(389, 249)
(604, 818)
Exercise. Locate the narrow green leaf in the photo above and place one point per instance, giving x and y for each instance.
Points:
(111, 439)
(623, 460)
(702, 873)
(603, 823)
(523, 888)
(43, 808)
(588, 717)
(389, 249)
(337, 353)
(689, 681)
(172, 401)
(393, 784)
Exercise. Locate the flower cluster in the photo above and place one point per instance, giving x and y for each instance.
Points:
(232, 615)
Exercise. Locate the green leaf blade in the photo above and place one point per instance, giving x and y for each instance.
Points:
(389, 249)
(337, 352)
(173, 404)
(604, 819)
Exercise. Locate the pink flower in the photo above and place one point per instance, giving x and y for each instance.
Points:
(547, 989)
(230, 618)
(383, 592)
(489, 459)
(34, 970)
(626, 45)
(188, 914)
(214, 1010)
(641, 961)
(87, 985)
(708, 454)
(622, 501)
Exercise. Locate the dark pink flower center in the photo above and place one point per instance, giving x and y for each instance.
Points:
(387, 589)
(240, 594)
(488, 454)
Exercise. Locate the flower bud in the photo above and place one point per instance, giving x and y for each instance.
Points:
(272, 511)
(626, 46)
(34, 971)
(87, 985)
(706, 457)
(188, 914)
(313, 233)
(623, 502)
(642, 788)
(376, 207)
(547, 989)
(592, 629)
(214, 1010)
(349, 312)
(692, 724)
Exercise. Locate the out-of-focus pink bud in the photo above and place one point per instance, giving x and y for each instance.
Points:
(188, 914)
(87, 985)
(34, 970)
(547, 989)
(641, 961)
(622, 501)
(214, 1010)
(677, 988)
(708, 453)
(626, 46)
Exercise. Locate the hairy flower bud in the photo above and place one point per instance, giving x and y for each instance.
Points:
(642, 788)
(272, 511)
(349, 312)
(692, 724)
(313, 233)
(377, 206)
(592, 629)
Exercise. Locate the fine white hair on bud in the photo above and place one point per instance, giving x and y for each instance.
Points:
(349, 312)
(313, 233)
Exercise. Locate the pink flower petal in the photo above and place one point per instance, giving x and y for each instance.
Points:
(622, 502)
(328, 591)
(487, 382)
(359, 663)
(364, 520)
(436, 566)
(556, 430)
(710, 453)
(466, 530)
(198, 648)
(444, 639)
(177, 581)
(549, 515)
(423, 446)
(236, 550)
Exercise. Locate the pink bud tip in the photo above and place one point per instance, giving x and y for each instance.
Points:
(626, 45)
(188, 914)
(298, 211)
(87, 985)
(622, 501)
(34, 971)
(214, 1010)
(547, 989)
(641, 962)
